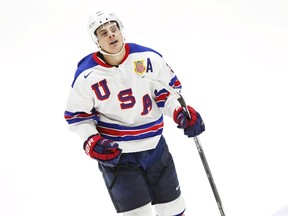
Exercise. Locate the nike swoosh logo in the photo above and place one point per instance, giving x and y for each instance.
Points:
(85, 76)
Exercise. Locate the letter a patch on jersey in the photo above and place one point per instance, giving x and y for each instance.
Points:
(139, 67)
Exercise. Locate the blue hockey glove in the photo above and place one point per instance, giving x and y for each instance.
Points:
(192, 127)
(103, 150)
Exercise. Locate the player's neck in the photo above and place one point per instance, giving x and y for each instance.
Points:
(115, 59)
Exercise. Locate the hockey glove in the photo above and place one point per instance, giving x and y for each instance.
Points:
(192, 127)
(103, 150)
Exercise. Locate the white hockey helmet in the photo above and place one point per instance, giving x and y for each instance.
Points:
(99, 18)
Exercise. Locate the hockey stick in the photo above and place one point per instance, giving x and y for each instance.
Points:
(197, 142)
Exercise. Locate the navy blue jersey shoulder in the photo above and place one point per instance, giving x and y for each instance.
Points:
(85, 63)
(135, 48)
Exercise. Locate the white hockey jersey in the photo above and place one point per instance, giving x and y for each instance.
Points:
(118, 103)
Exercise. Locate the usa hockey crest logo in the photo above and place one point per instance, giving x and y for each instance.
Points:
(139, 66)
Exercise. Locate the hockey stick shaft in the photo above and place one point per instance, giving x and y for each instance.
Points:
(209, 175)
(198, 145)
(204, 161)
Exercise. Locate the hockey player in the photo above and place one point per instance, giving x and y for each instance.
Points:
(119, 115)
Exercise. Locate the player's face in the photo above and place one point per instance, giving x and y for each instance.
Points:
(110, 38)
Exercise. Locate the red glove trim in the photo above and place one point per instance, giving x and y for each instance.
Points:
(175, 114)
(92, 141)
(90, 144)
(192, 112)
(106, 156)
